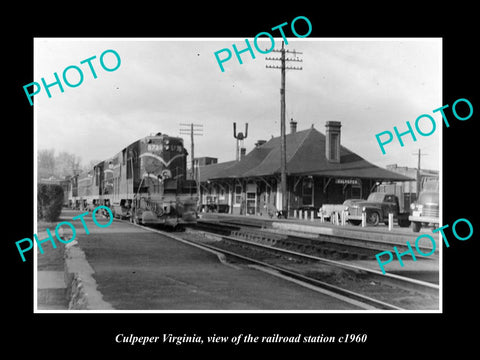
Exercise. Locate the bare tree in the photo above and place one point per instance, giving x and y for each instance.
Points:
(60, 166)
(90, 165)
(67, 164)
(45, 163)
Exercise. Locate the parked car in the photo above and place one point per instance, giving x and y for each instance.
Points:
(377, 207)
(425, 210)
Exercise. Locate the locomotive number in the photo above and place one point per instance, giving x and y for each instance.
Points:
(154, 147)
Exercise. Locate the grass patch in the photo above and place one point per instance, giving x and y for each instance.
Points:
(43, 225)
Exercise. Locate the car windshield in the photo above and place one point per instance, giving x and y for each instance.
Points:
(376, 197)
(428, 197)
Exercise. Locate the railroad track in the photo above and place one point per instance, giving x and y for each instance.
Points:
(352, 231)
(338, 246)
(370, 287)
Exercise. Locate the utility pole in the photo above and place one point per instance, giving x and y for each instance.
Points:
(418, 171)
(283, 145)
(192, 129)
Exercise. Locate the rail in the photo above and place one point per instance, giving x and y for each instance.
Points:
(310, 280)
(283, 238)
(423, 293)
(427, 292)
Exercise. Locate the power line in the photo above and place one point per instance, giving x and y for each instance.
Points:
(283, 147)
(192, 130)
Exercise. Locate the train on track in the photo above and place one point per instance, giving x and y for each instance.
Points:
(145, 182)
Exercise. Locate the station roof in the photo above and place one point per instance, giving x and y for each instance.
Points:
(214, 171)
(305, 156)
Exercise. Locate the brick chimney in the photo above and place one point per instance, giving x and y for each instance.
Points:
(332, 141)
(293, 126)
(260, 143)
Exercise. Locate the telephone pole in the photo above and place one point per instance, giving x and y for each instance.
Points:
(192, 129)
(418, 171)
(283, 145)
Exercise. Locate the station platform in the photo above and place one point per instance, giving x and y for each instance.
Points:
(137, 268)
(423, 268)
(397, 235)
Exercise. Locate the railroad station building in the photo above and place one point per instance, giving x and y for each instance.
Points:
(319, 171)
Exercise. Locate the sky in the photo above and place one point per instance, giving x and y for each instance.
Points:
(369, 85)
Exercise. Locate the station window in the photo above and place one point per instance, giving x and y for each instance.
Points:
(356, 192)
(307, 191)
(238, 194)
(251, 203)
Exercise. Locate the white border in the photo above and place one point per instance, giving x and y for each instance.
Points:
(35, 72)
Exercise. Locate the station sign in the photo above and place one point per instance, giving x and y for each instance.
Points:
(347, 181)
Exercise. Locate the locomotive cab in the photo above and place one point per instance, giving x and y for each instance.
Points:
(145, 182)
(164, 196)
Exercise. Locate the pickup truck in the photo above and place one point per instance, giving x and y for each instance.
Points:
(425, 210)
(377, 207)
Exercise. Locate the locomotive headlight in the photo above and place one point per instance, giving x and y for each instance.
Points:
(412, 206)
(167, 147)
(167, 141)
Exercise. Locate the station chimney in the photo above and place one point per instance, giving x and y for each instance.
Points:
(293, 126)
(260, 143)
(332, 141)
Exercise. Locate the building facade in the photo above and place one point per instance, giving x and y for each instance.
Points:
(319, 171)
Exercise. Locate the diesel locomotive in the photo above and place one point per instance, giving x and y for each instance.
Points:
(146, 182)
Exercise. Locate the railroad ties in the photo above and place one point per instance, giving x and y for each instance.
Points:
(302, 244)
(334, 261)
(340, 260)
(344, 247)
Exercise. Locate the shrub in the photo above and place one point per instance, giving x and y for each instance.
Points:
(50, 201)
